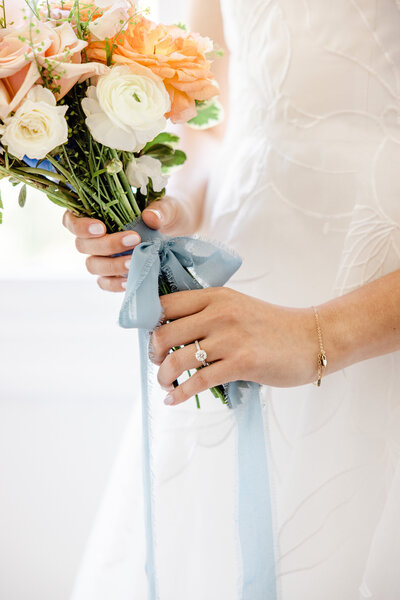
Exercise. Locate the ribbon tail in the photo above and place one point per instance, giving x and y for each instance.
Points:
(148, 483)
(141, 308)
(254, 516)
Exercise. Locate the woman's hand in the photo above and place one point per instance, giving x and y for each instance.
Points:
(168, 215)
(245, 339)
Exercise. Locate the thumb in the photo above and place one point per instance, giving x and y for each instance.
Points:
(162, 214)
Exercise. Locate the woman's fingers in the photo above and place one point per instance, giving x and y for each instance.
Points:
(92, 238)
(183, 304)
(83, 227)
(177, 333)
(183, 360)
(108, 266)
(113, 243)
(202, 380)
(112, 284)
(168, 215)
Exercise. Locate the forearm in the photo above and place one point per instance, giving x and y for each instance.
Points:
(362, 324)
(189, 185)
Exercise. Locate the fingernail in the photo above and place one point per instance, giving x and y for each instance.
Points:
(128, 264)
(96, 229)
(169, 400)
(131, 240)
(124, 284)
(156, 212)
(168, 388)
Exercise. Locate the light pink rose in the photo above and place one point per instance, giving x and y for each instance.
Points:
(54, 45)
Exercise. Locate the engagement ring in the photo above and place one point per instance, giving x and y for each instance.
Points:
(201, 355)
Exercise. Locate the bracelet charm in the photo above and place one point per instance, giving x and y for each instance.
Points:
(322, 359)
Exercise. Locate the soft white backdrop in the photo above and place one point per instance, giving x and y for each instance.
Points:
(68, 377)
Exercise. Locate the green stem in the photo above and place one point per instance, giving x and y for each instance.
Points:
(44, 173)
(72, 180)
(4, 19)
(43, 184)
(122, 196)
(35, 181)
(127, 187)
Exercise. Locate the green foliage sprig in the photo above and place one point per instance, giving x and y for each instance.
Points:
(3, 18)
(209, 114)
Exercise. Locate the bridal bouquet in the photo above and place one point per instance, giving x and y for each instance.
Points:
(87, 90)
(86, 93)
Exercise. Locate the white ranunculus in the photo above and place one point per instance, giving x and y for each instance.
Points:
(141, 169)
(125, 111)
(37, 127)
(112, 20)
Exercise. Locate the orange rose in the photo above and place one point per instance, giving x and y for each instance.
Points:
(175, 56)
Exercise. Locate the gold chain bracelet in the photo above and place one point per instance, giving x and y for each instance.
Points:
(322, 360)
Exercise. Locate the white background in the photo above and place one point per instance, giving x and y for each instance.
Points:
(68, 378)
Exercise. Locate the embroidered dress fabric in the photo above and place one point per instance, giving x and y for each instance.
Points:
(307, 192)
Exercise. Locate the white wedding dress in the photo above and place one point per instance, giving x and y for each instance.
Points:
(307, 190)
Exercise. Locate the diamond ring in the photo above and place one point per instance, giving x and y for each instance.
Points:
(201, 355)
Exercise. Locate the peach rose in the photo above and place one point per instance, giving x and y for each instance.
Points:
(55, 46)
(175, 56)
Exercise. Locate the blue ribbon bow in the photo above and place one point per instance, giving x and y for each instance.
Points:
(187, 264)
(171, 258)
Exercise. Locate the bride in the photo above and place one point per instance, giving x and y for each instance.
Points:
(304, 184)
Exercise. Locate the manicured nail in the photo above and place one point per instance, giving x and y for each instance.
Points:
(156, 212)
(169, 400)
(96, 229)
(128, 264)
(124, 284)
(131, 240)
(169, 388)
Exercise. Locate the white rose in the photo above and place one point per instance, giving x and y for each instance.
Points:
(126, 110)
(111, 22)
(38, 126)
(141, 169)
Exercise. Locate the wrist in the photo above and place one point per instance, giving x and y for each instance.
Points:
(311, 347)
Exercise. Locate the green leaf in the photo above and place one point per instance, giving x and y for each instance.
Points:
(165, 138)
(161, 152)
(22, 196)
(209, 114)
(55, 199)
(1, 218)
(181, 26)
(219, 52)
(170, 163)
(1, 201)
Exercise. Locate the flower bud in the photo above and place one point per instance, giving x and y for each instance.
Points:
(114, 166)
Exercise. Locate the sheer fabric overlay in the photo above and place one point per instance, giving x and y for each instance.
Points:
(307, 191)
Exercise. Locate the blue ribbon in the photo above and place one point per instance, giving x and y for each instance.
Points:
(187, 264)
(40, 164)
